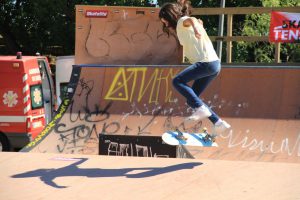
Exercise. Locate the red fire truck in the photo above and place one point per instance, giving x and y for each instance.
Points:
(26, 99)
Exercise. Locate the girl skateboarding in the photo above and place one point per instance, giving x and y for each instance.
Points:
(198, 48)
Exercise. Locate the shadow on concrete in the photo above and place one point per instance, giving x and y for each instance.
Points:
(48, 175)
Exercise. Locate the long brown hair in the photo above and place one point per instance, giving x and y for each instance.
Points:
(171, 12)
(186, 7)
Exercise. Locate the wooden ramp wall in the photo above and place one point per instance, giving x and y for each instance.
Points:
(262, 104)
(123, 35)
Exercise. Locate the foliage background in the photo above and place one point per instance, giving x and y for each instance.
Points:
(48, 27)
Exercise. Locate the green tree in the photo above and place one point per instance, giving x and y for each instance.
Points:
(46, 26)
(258, 25)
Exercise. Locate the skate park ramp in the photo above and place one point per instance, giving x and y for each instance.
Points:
(131, 93)
(260, 102)
(123, 35)
(72, 176)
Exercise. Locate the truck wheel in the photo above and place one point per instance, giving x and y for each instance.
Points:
(4, 143)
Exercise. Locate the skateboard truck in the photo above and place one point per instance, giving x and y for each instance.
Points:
(208, 137)
(180, 135)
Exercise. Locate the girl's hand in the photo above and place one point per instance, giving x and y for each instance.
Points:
(197, 34)
(200, 22)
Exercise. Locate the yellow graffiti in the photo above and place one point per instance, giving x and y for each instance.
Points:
(135, 84)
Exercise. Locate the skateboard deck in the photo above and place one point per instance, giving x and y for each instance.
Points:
(189, 139)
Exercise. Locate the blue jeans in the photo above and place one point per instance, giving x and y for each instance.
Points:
(202, 73)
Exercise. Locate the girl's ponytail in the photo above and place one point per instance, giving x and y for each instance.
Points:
(186, 7)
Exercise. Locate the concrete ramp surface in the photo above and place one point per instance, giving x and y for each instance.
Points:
(57, 176)
(261, 104)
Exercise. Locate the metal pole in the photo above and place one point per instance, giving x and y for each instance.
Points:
(220, 31)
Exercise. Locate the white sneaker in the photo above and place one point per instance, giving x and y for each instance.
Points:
(200, 113)
(221, 126)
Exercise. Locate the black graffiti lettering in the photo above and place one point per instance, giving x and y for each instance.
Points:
(82, 132)
(78, 116)
(62, 148)
(94, 130)
(86, 86)
(100, 115)
(84, 121)
(111, 128)
(74, 134)
(127, 130)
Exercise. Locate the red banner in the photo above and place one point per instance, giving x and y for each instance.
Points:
(285, 27)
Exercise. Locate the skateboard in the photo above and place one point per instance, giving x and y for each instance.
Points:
(203, 139)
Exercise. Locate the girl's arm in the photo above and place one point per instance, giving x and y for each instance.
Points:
(192, 21)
